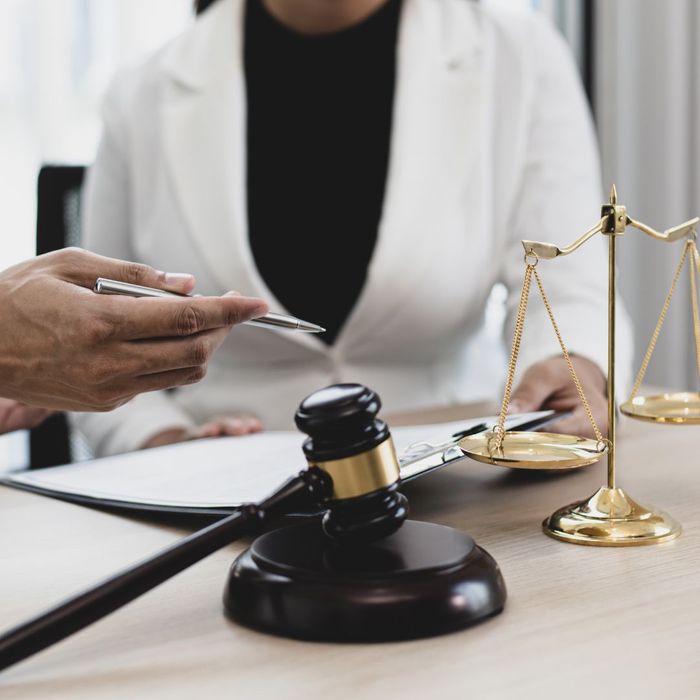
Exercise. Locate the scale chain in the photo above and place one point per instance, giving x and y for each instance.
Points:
(499, 430)
(570, 364)
(662, 317)
(695, 270)
(498, 434)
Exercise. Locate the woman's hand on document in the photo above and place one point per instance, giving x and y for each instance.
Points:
(218, 427)
(548, 385)
(64, 347)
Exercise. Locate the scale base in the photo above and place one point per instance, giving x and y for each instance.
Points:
(423, 580)
(610, 518)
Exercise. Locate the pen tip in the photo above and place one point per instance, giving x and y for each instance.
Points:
(310, 327)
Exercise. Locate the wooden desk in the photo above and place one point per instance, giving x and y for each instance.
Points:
(579, 622)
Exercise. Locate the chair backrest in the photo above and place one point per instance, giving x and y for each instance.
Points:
(57, 226)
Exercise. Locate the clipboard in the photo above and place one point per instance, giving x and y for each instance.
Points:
(214, 477)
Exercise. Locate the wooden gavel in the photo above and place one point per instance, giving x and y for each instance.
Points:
(353, 474)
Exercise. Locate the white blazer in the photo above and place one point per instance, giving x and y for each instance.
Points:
(492, 142)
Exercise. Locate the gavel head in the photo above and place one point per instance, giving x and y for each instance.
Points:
(349, 443)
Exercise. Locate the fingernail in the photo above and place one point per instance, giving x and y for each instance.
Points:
(514, 407)
(177, 279)
(232, 293)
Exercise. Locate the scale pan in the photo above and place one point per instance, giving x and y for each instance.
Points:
(681, 408)
(526, 450)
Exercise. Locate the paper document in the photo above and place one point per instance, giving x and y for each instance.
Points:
(209, 476)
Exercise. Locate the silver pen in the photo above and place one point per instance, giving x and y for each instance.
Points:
(106, 286)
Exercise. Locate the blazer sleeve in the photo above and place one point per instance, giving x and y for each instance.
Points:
(107, 231)
(559, 198)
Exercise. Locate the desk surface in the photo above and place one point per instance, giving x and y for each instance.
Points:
(579, 622)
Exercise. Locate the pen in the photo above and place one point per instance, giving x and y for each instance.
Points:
(106, 286)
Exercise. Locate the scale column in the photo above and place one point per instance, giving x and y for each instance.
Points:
(616, 220)
(612, 409)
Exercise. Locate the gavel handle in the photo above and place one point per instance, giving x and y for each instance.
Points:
(72, 615)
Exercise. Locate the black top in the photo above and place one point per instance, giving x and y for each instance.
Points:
(319, 126)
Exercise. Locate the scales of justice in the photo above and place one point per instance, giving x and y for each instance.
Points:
(610, 517)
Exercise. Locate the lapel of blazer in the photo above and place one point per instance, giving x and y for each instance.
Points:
(438, 113)
(202, 120)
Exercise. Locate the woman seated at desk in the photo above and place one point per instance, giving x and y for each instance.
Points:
(367, 165)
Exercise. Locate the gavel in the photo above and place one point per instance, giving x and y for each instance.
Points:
(353, 476)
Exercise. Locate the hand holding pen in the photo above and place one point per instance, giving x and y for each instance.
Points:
(66, 348)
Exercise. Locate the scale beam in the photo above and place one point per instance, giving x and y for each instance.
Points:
(548, 251)
(670, 235)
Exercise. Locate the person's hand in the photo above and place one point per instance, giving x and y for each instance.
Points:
(548, 385)
(64, 347)
(18, 416)
(218, 427)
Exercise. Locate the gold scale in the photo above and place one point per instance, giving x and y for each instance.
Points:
(609, 517)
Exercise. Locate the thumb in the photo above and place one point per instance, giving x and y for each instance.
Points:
(83, 268)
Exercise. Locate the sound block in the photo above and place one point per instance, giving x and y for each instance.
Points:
(423, 580)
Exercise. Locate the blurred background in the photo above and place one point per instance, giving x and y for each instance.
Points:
(639, 61)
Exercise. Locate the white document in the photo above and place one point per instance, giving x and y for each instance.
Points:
(213, 475)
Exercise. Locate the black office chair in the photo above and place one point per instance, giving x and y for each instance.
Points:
(57, 226)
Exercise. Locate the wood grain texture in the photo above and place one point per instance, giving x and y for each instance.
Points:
(579, 622)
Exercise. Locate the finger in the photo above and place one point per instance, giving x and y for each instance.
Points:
(142, 357)
(241, 425)
(83, 268)
(32, 416)
(208, 430)
(170, 318)
(18, 416)
(220, 427)
(237, 426)
(156, 382)
(577, 423)
(254, 425)
(169, 436)
(571, 425)
(223, 426)
(531, 393)
(232, 426)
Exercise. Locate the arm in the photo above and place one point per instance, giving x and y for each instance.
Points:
(560, 198)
